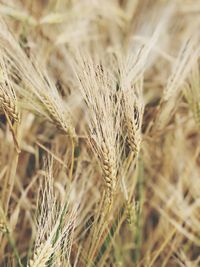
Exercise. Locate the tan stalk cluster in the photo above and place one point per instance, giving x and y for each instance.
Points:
(37, 92)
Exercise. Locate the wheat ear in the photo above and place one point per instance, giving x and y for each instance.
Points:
(8, 102)
(97, 82)
(133, 113)
(192, 93)
(9, 106)
(62, 123)
(41, 256)
(109, 170)
(133, 128)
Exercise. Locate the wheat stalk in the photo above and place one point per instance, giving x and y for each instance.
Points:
(56, 223)
(97, 83)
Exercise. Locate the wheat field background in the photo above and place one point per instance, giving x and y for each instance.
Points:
(100, 133)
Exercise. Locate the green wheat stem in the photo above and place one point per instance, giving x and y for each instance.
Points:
(138, 220)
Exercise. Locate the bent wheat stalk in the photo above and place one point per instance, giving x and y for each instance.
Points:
(97, 85)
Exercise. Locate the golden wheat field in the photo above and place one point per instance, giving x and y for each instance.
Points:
(99, 133)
